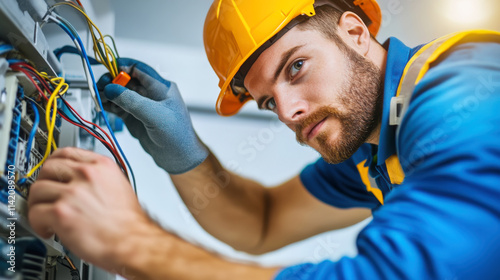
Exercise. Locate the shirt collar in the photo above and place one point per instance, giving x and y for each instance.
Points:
(398, 55)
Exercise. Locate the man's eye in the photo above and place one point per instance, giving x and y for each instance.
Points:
(270, 104)
(295, 68)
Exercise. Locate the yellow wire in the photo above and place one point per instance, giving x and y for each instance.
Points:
(61, 88)
(98, 55)
(113, 63)
(107, 62)
(114, 44)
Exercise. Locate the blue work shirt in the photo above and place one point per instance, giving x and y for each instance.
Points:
(443, 220)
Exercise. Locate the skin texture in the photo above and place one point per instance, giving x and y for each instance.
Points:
(85, 199)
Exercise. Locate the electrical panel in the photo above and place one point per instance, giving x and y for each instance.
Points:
(39, 111)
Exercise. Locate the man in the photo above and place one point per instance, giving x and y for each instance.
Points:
(432, 177)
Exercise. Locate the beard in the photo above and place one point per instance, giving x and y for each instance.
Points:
(361, 99)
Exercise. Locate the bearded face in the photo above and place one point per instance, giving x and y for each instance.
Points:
(361, 99)
(325, 91)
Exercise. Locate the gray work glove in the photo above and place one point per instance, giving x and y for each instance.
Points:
(154, 113)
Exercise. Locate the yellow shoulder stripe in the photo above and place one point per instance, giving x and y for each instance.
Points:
(365, 177)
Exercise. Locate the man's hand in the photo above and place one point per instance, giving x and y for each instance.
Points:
(86, 200)
(154, 113)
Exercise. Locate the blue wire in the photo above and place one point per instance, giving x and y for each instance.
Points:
(84, 54)
(12, 61)
(21, 181)
(72, 50)
(5, 48)
(33, 130)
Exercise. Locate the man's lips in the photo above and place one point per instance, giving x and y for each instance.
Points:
(310, 131)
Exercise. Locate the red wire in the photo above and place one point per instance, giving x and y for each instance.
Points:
(114, 147)
(17, 68)
(79, 3)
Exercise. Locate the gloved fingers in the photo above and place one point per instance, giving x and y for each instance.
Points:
(149, 87)
(136, 86)
(115, 109)
(131, 102)
(104, 80)
(136, 128)
(111, 91)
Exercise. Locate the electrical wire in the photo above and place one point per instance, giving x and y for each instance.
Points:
(50, 119)
(105, 56)
(70, 262)
(72, 50)
(73, 270)
(5, 48)
(79, 3)
(33, 130)
(94, 133)
(61, 262)
(67, 27)
(72, 33)
(80, 121)
(114, 44)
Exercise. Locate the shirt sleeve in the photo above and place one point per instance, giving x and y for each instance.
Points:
(443, 222)
(339, 185)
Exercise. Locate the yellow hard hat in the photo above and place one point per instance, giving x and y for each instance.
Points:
(237, 31)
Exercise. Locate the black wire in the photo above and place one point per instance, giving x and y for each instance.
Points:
(60, 260)
(93, 131)
(80, 120)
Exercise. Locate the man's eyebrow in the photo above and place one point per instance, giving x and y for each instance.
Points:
(284, 59)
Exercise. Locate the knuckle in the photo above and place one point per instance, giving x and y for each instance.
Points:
(72, 192)
(86, 170)
(65, 152)
(61, 211)
(106, 161)
(49, 167)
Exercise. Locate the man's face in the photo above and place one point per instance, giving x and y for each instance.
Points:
(329, 97)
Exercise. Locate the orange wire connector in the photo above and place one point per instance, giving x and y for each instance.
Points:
(121, 79)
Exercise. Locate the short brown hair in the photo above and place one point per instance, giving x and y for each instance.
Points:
(326, 21)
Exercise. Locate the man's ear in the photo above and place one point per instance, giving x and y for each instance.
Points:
(354, 32)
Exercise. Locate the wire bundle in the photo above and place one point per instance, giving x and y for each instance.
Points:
(51, 89)
(107, 58)
(73, 34)
(102, 51)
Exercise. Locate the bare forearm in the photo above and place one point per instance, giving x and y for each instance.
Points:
(229, 207)
(158, 255)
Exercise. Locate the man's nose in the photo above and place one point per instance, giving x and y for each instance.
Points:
(290, 107)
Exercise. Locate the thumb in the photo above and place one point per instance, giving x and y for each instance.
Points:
(112, 91)
(104, 80)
